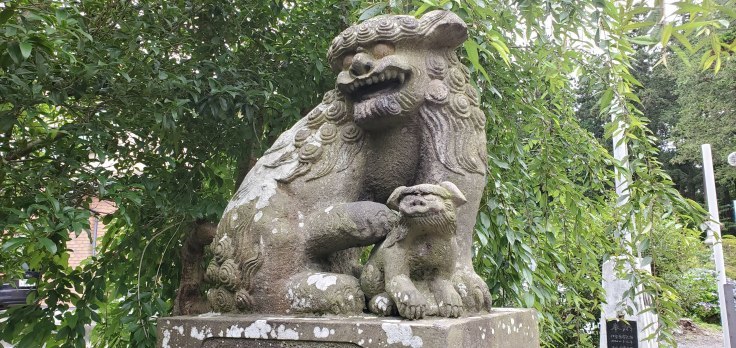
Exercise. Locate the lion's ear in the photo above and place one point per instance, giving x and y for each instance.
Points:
(395, 198)
(444, 29)
(456, 195)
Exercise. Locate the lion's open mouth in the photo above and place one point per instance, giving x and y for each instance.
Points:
(378, 83)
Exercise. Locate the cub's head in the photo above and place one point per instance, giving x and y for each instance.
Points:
(428, 204)
(385, 65)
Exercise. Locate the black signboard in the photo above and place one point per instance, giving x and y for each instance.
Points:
(622, 334)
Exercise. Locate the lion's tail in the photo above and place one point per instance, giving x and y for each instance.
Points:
(232, 268)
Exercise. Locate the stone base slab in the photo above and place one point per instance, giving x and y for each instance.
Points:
(503, 327)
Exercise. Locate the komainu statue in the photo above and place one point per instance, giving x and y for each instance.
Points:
(403, 113)
(410, 273)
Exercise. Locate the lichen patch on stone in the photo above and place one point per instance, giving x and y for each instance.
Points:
(259, 329)
(382, 303)
(210, 314)
(165, 340)
(234, 331)
(401, 333)
(322, 281)
(282, 333)
(200, 335)
(321, 333)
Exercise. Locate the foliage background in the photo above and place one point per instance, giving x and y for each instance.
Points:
(161, 107)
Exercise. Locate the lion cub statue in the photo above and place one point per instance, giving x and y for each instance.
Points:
(410, 273)
(403, 112)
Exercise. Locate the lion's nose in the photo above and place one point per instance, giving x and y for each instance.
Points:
(418, 202)
(362, 64)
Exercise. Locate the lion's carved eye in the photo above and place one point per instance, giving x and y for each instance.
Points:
(381, 50)
(347, 61)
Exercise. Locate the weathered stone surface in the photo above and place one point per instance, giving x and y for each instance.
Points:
(411, 272)
(403, 113)
(507, 328)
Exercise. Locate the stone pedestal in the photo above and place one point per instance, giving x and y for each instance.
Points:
(504, 327)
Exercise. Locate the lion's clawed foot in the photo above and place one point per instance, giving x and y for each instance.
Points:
(382, 304)
(328, 293)
(411, 304)
(473, 290)
(449, 302)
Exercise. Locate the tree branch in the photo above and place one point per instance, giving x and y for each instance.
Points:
(33, 146)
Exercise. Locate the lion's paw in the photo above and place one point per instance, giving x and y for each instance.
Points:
(328, 293)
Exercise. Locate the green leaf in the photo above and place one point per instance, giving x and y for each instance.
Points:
(644, 40)
(7, 13)
(25, 49)
(471, 48)
(15, 53)
(373, 11)
(48, 244)
(485, 220)
(13, 243)
(666, 33)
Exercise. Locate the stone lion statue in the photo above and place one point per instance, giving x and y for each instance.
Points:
(410, 272)
(402, 113)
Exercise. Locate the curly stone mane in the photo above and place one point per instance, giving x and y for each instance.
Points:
(327, 142)
(450, 110)
(329, 139)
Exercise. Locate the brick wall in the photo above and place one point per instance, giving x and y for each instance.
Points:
(82, 246)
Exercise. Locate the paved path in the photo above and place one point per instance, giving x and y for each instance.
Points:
(699, 337)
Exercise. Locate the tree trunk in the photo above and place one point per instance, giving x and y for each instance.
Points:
(189, 299)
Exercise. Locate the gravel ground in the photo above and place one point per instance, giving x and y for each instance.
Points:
(693, 336)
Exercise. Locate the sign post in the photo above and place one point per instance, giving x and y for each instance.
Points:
(714, 238)
(630, 330)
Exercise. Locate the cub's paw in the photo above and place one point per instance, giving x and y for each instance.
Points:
(473, 290)
(411, 304)
(449, 302)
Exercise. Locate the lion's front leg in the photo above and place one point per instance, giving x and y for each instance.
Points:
(347, 225)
